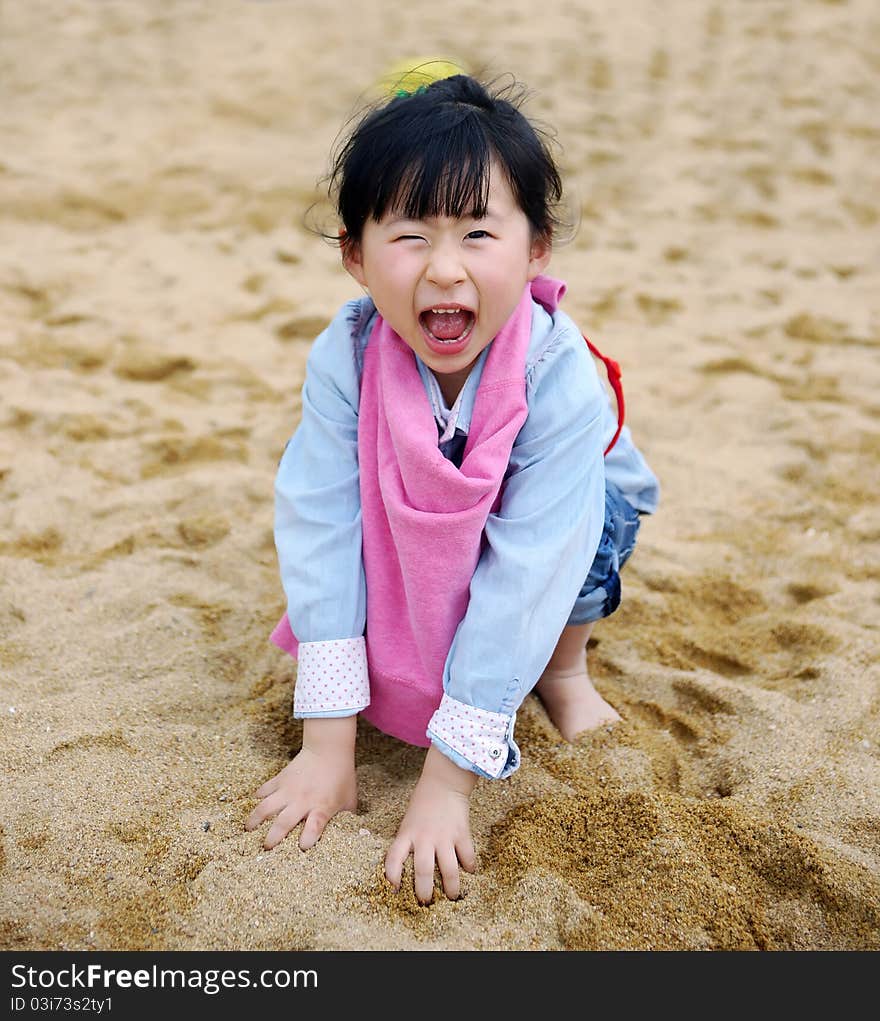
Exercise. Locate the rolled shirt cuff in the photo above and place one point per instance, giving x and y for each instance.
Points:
(331, 676)
(480, 740)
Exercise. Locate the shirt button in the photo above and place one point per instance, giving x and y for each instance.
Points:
(495, 752)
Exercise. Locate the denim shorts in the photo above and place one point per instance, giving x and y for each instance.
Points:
(600, 595)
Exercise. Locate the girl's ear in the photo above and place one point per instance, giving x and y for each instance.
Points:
(539, 256)
(352, 260)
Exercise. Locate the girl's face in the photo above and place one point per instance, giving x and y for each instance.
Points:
(445, 285)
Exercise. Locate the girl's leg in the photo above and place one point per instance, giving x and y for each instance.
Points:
(565, 688)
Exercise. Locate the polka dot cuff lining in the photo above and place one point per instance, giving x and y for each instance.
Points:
(331, 675)
(478, 735)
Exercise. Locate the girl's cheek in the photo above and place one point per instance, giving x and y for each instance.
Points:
(401, 263)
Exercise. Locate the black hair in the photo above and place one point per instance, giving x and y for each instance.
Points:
(428, 154)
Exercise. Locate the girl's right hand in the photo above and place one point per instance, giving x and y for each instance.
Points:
(319, 782)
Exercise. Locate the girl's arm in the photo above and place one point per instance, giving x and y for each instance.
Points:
(539, 548)
(540, 545)
(318, 523)
(318, 539)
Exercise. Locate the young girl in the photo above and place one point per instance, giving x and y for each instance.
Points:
(447, 526)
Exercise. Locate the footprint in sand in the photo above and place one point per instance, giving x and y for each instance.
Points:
(302, 328)
(148, 364)
(176, 454)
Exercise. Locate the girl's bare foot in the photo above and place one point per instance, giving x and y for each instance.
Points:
(572, 703)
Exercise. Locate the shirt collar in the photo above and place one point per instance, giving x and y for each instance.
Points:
(459, 415)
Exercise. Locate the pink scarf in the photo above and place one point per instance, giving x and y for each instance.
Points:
(422, 517)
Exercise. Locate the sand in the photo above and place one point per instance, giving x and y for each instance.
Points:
(159, 291)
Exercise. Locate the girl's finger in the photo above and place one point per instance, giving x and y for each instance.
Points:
(423, 860)
(313, 829)
(283, 825)
(448, 865)
(268, 807)
(467, 856)
(394, 859)
(269, 787)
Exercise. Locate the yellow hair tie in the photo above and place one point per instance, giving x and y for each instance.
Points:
(413, 76)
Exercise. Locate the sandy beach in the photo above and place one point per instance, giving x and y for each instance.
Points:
(160, 286)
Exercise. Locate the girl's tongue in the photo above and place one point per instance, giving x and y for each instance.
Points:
(447, 325)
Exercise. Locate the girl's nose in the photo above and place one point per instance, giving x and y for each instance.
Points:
(444, 267)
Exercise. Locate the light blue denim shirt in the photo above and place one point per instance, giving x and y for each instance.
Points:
(540, 543)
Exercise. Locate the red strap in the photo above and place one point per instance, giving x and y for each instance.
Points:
(613, 370)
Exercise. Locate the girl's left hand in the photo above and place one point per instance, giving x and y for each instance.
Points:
(436, 827)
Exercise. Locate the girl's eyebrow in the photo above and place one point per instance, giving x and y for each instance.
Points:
(394, 221)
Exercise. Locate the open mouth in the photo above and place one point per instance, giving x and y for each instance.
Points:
(447, 324)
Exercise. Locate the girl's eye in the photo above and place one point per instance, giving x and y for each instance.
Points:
(478, 235)
(409, 237)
